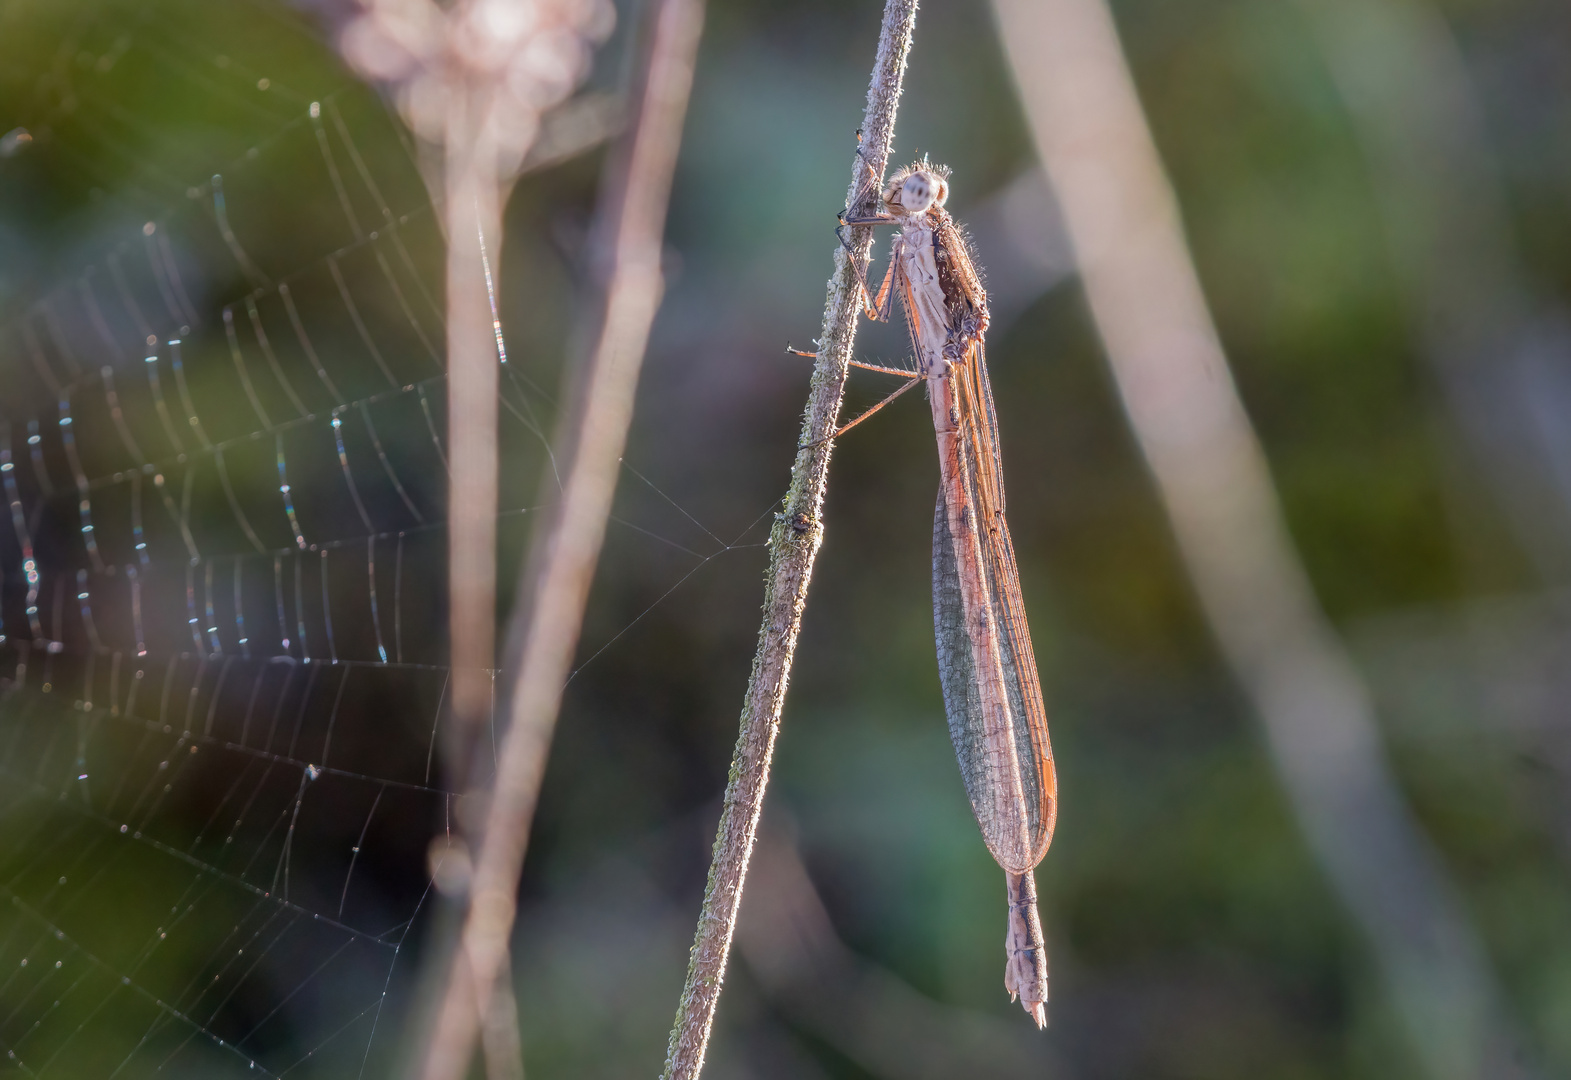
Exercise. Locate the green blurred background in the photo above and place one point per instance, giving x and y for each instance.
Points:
(1349, 255)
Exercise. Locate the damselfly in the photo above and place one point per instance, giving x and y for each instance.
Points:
(991, 692)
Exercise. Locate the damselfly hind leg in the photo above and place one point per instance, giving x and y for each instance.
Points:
(847, 427)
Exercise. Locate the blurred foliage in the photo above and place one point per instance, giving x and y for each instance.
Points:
(1190, 931)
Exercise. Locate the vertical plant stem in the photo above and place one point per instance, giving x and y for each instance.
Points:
(1211, 473)
(793, 546)
(473, 206)
(499, 1041)
(1419, 114)
(556, 581)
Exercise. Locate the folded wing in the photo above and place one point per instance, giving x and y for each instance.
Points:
(1018, 827)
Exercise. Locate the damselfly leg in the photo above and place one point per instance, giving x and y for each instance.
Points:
(847, 427)
(881, 308)
(904, 373)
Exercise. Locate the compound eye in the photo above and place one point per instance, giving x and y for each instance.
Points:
(917, 194)
(941, 196)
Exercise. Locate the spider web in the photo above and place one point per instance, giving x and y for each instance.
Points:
(222, 659)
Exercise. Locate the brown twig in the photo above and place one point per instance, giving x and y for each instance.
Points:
(793, 545)
(1171, 373)
(562, 558)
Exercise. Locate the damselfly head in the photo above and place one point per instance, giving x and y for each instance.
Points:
(916, 189)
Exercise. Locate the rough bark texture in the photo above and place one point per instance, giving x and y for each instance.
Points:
(793, 546)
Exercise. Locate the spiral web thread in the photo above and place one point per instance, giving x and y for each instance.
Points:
(221, 663)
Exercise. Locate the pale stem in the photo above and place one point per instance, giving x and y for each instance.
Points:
(473, 206)
(561, 562)
(1211, 473)
(499, 1040)
(793, 545)
(1418, 112)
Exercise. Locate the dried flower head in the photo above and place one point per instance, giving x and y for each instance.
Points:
(512, 59)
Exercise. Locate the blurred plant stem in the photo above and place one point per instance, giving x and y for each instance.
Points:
(500, 1043)
(548, 613)
(473, 208)
(474, 194)
(793, 546)
(1211, 473)
(1499, 344)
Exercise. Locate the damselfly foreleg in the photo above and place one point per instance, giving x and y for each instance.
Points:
(873, 172)
(880, 308)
